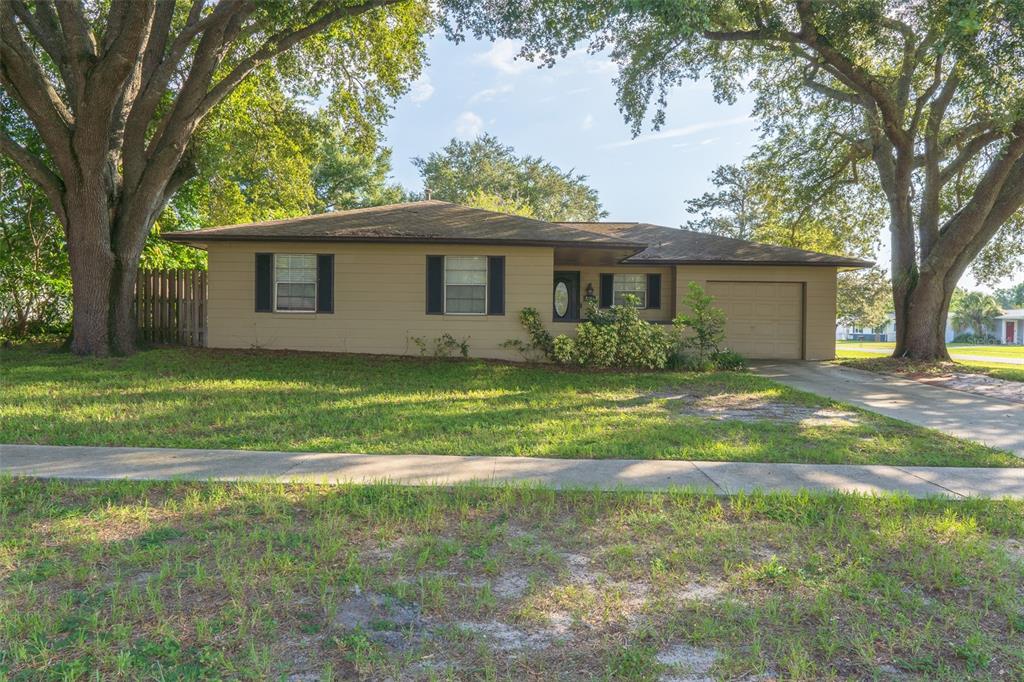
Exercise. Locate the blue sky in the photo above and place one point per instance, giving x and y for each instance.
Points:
(567, 114)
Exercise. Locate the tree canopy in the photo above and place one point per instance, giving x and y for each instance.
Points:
(487, 174)
(976, 311)
(1011, 297)
(920, 104)
(119, 91)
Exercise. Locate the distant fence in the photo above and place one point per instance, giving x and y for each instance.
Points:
(170, 306)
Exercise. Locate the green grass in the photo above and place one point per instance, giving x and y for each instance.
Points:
(317, 402)
(875, 363)
(128, 580)
(954, 349)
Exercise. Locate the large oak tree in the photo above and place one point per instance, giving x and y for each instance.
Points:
(923, 99)
(117, 90)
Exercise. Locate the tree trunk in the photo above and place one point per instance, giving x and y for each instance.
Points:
(921, 321)
(123, 329)
(92, 264)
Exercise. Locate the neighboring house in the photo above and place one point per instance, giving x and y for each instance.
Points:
(887, 332)
(372, 280)
(1010, 326)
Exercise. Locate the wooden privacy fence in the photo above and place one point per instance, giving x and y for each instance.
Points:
(170, 306)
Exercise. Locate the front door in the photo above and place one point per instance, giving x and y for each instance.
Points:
(1011, 331)
(567, 296)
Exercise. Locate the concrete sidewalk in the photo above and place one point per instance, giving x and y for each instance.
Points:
(720, 477)
(990, 421)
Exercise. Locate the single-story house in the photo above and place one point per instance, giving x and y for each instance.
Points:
(886, 332)
(372, 280)
(1010, 326)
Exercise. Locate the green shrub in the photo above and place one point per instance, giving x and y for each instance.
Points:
(596, 345)
(616, 337)
(701, 331)
(563, 350)
(729, 360)
(540, 338)
(977, 339)
(444, 346)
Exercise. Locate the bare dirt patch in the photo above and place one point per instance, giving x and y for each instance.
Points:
(747, 407)
(977, 383)
(702, 592)
(687, 663)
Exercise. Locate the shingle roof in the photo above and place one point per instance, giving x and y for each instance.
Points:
(418, 221)
(443, 222)
(672, 245)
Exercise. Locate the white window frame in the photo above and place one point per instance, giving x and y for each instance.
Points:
(316, 293)
(632, 291)
(444, 286)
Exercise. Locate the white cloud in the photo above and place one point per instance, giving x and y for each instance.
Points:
(422, 89)
(468, 125)
(683, 131)
(487, 94)
(502, 56)
(588, 122)
(709, 140)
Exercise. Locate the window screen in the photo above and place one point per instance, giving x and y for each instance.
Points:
(465, 285)
(295, 282)
(629, 284)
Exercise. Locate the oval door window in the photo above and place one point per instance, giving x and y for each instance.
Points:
(561, 299)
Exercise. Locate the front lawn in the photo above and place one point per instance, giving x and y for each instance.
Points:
(261, 400)
(127, 580)
(955, 349)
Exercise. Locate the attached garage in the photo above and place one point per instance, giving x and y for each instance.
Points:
(764, 320)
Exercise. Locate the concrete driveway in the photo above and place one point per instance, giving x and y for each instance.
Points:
(993, 422)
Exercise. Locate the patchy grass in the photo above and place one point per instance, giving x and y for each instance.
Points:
(874, 363)
(128, 580)
(318, 402)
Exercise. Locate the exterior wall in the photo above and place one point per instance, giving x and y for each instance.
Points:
(379, 299)
(592, 275)
(819, 296)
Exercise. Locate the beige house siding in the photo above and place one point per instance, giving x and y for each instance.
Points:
(592, 275)
(819, 296)
(379, 299)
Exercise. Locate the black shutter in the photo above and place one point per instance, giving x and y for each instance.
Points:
(435, 285)
(264, 282)
(495, 285)
(654, 291)
(325, 282)
(606, 290)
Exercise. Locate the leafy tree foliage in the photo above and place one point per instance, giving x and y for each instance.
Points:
(864, 298)
(730, 211)
(34, 284)
(1012, 297)
(259, 156)
(118, 92)
(485, 173)
(763, 201)
(923, 101)
(976, 311)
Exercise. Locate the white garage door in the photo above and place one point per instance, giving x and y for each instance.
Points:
(764, 320)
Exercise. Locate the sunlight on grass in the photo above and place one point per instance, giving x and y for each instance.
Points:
(253, 580)
(319, 402)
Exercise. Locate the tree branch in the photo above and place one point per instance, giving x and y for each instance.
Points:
(48, 181)
(278, 44)
(42, 30)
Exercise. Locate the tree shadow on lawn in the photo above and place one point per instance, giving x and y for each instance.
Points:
(261, 580)
(310, 402)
